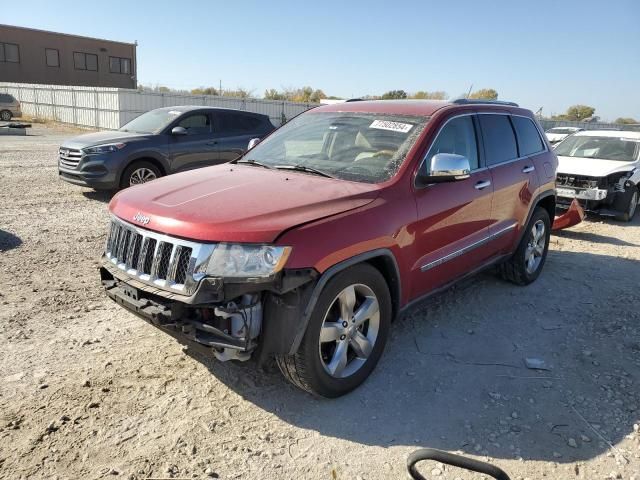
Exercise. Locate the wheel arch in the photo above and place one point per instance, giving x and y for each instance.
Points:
(381, 259)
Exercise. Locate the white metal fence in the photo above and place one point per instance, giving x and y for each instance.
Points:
(110, 108)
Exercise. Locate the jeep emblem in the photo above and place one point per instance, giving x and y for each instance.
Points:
(140, 218)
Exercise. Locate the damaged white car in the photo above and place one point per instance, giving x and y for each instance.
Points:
(601, 169)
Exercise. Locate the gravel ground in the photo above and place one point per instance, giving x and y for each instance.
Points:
(88, 391)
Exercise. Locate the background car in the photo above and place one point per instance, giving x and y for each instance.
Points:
(157, 143)
(9, 107)
(557, 134)
(600, 168)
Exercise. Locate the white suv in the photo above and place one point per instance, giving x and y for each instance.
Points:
(600, 168)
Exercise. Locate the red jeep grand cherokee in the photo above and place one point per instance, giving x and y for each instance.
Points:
(307, 247)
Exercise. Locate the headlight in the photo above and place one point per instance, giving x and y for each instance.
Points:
(108, 148)
(243, 261)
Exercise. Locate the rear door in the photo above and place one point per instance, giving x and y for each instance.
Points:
(453, 217)
(196, 149)
(233, 130)
(514, 179)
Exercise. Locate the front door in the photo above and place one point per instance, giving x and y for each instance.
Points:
(452, 228)
(195, 149)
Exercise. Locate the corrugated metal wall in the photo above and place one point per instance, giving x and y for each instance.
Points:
(110, 108)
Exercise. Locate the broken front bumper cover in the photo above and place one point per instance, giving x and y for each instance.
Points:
(595, 194)
(573, 216)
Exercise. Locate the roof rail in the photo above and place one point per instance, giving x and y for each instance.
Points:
(474, 101)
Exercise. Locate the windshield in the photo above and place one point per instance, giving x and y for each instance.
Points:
(151, 122)
(562, 130)
(606, 148)
(359, 147)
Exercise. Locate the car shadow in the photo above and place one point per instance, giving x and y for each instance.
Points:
(593, 238)
(8, 241)
(103, 196)
(594, 218)
(453, 375)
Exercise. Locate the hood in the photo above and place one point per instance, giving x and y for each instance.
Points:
(99, 138)
(237, 203)
(592, 167)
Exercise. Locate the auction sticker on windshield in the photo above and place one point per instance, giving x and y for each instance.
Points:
(393, 126)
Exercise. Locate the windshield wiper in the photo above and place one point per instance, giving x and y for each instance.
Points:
(249, 161)
(304, 168)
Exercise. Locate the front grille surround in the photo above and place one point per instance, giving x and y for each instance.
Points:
(69, 157)
(155, 259)
(577, 181)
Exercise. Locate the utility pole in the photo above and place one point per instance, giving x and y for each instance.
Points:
(220, 88)
(469, 92)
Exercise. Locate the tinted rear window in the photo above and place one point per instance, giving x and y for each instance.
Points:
(499, 140)
(529, 139)
(6, 98)
(238, 123)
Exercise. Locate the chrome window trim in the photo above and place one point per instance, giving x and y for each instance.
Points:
(487, 166)
(467, 249)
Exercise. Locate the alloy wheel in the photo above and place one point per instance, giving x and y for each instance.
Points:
(141, 175)
(5, 115)
(535, 247)
(349, 331)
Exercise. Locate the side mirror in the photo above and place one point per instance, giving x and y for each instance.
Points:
(252, 143)
(179, 131)
(446, 167)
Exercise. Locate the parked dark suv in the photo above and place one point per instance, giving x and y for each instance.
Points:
(311, 244)
(157, 143)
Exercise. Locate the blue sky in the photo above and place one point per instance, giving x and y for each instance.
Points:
(544, 53)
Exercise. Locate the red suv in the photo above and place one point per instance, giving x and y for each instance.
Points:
(309, 246)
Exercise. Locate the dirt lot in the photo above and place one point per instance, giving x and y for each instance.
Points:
(87, 390)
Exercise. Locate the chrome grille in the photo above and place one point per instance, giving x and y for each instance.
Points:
(159, 260)
(69, 157)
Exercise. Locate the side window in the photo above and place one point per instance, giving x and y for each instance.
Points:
(5, 98)
(499, 139)
(52, 57)
(529, 139)
(458, 136)
(196, 124)
(237, 123)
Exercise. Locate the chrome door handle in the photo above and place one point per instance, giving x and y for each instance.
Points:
(482, 184)
(528, 169)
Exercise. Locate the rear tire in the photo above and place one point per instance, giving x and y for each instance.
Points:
(139, 172)
(631, 206)
(345, 336)
(5, 115)
(525, 265)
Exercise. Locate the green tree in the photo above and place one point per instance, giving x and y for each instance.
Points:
(239, 93)
(394, 95)
(424, 95)
(273, 94)
(626, 121)
(577, 113)
(485, 94)
(204, 91)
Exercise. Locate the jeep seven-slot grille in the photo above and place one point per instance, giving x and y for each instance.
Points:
(155, 259)
(69, 157)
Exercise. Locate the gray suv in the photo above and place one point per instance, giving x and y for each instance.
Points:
(157, 143)
(9, 107)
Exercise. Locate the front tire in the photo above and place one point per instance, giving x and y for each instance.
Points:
(346, 334)
(525, 265)
(631, 208)
(139, 172)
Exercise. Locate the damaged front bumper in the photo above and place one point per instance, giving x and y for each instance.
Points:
(573, 216)
(227, 321)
